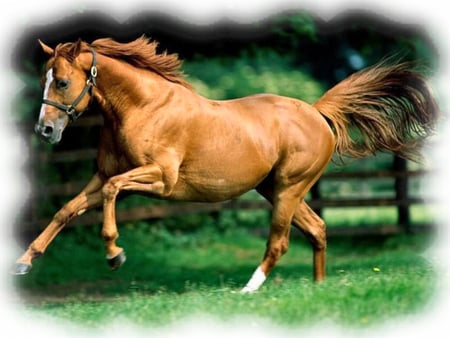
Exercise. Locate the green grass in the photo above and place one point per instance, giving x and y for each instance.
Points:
(376, 215)
(168, 277)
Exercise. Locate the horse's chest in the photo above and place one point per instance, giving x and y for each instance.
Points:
(111, 163)
(123, 153)
(115, 157)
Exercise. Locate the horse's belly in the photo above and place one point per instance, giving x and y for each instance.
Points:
(209, 191)
(214, 187)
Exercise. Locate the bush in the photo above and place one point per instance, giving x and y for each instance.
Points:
(261, 71)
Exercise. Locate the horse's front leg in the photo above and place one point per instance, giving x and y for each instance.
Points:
(148, 179)
(90, 197)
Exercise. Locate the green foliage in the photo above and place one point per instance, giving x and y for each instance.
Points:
(295, 27)
(26, 104)
(259, 71)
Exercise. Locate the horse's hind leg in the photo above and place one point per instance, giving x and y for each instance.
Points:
(284, 205)
(312, 226)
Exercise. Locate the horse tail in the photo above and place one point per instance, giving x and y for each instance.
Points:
(380, 108)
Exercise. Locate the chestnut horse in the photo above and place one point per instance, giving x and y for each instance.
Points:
(163, 139)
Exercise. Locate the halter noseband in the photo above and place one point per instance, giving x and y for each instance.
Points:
(88, 87)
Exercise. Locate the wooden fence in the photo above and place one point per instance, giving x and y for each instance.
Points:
(401, 199)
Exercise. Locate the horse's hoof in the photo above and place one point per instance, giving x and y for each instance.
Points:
(117, 261)
(21, 269)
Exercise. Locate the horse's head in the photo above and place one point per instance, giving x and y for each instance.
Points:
(68, 84)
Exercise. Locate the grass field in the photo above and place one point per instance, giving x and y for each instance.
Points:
(169, 277)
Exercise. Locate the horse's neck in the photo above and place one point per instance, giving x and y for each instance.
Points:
(122, 89)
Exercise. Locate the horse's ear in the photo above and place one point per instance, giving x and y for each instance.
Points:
(74, 50)
(45, 48)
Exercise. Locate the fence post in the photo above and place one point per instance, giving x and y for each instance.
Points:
(315, 196)
(401, 194)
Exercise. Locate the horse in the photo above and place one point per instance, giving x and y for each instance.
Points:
(163, 139)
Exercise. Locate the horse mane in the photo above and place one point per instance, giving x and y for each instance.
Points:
(141, 53)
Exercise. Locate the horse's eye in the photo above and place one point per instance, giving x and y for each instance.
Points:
(62, 84)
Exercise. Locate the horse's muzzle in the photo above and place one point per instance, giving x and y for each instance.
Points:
(47, 132)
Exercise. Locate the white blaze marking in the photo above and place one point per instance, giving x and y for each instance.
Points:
(48, 81)
(255, 281)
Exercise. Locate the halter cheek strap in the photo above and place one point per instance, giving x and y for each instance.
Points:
(88, 88)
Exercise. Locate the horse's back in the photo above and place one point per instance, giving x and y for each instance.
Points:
(291, 122)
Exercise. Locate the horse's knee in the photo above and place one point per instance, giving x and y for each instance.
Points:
(111, 188)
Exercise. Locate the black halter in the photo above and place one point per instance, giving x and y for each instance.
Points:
(88, 87)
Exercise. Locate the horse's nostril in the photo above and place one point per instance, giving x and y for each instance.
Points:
(43, 130)
(47, 130)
